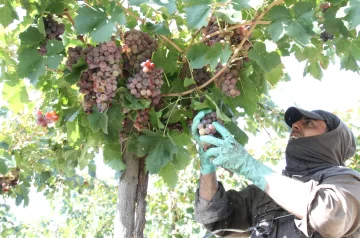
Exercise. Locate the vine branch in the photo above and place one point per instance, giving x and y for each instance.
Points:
(172, 43)
(205, 38)
(235, 54)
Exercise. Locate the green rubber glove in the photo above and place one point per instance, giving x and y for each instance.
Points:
(231, 155)
(206, 166)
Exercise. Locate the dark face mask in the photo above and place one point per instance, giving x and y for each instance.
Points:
(305, 156)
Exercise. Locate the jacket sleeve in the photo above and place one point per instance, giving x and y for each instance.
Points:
(333, 208)
(227, 209)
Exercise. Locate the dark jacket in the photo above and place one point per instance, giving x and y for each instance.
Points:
(333, 199)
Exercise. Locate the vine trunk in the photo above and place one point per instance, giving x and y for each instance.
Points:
(131, 204)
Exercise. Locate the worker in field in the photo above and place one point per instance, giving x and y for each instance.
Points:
(315, 196)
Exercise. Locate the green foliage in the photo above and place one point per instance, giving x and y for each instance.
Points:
(50, 157)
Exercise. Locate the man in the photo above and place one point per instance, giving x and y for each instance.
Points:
(315, 197)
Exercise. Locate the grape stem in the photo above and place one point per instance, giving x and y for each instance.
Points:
(167, 122)
(205, 38)
(133, 15)
(54, 70)
(235, 54)
(172, 43)
(66, 13)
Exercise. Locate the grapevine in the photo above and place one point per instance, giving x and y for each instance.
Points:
(139, 47)
(142, 119)
(147, 83)
(53, 30)
(206, 127)
(48, 118)
(228, 79)
(99, 81)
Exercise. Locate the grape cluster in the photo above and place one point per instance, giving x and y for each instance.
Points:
(232, 37)
(325, 36)
(99, 81)
(146, 84)
(207, 128)
(48, 118)
(53, 30)
(228, 79)
(5, 187)
(74, 53)
(138, 47)
(201, 76)
(142, 119)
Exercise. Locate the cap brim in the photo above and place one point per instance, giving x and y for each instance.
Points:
(294, 114)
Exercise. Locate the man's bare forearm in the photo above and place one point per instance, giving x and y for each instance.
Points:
(208, 186)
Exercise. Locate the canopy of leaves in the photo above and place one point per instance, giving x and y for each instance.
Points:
(186, 40)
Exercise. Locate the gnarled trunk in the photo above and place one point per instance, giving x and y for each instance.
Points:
(131, 204)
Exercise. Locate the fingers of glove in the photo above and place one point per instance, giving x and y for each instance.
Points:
(212, 152)
(197, 119)
(217, 161)
(211, 140)
(222, 130)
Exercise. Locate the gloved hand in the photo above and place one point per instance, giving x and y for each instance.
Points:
(206, 166)
(231, 155)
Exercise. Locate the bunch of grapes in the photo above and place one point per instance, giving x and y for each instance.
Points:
(232, 37)
(142, 119)
(44, 120)
(201, 76)
(99, 82)
(74, 53)
(207, 128)
(325, 36)
(147, 84)
(53, 30)
(228, 79)
(138, 47)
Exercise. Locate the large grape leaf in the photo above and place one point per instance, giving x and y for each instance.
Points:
(7, 13)
(95, 20)
(159, 149)
(267, 61)
(156, 4)
(350, 14)
(113, 157)
(196, 55)
(31, 37)
(240, 5)
(31, 64)
(196, 15)
(251, 90)
(165, 59)
(298, 26)
(98, 121)
(17, 97)
(218, 53)
(170, 175)
(55, 6)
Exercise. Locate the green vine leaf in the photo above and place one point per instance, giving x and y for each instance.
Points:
(159, 149)
(267, 61)
(7, 13)
(218, 53)
(94, 20)
(31, 64)
(350, 14)
(98, 121)
(31, 37)
(298, 27)
(113, 157)
(196, 55)
(196, 16)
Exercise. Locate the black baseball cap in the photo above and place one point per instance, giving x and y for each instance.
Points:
(293, 114)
